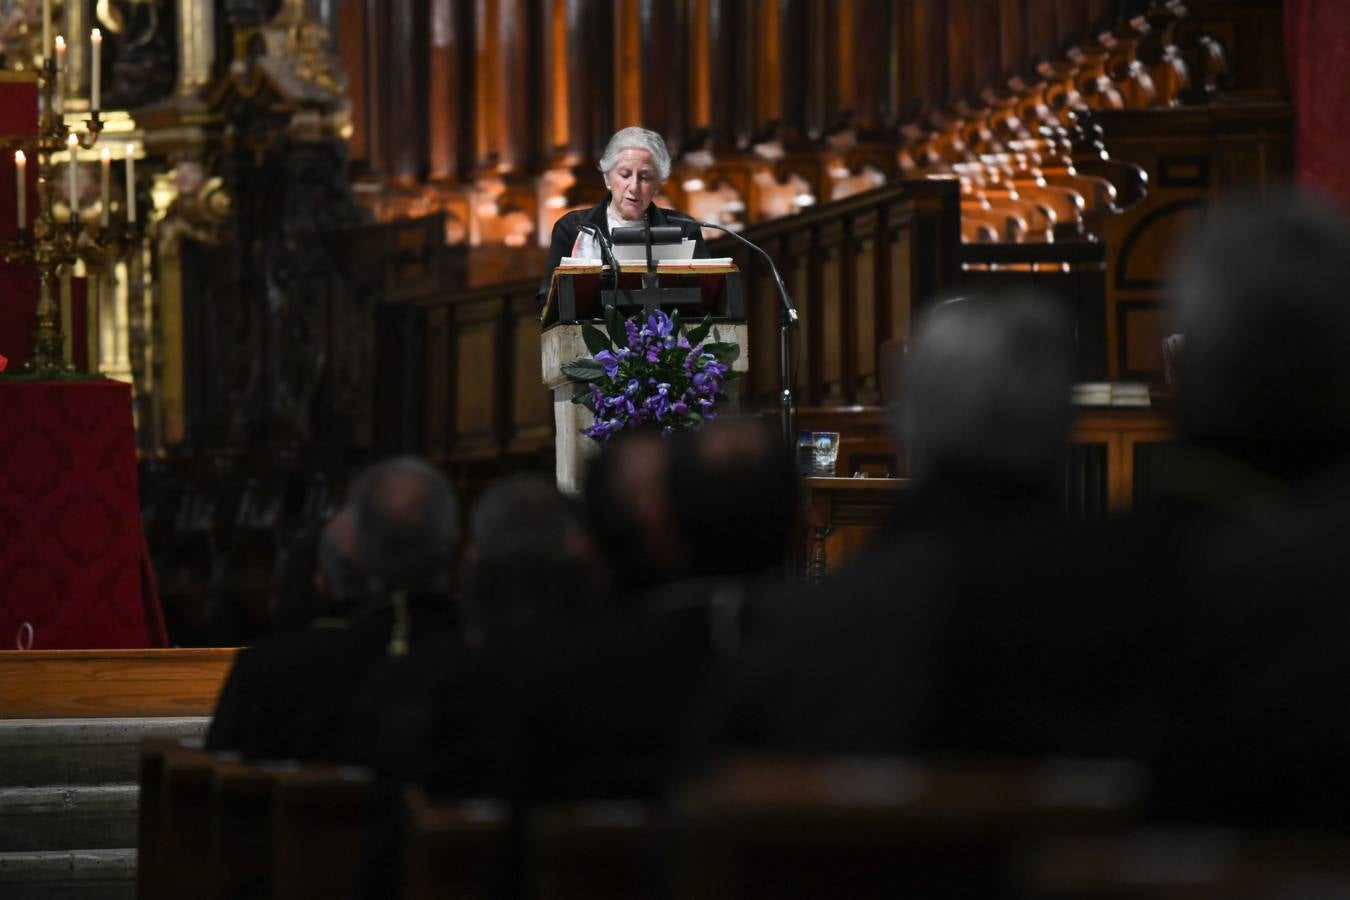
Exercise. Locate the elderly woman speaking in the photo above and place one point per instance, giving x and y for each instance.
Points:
(635, 164)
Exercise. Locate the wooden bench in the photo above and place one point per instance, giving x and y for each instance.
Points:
(794, 828)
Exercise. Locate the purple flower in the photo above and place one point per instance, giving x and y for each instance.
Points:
(608, 362)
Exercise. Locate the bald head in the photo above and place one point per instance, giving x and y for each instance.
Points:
(406, 524)
(987, 383)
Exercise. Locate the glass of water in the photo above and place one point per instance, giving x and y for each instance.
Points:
(825, 453)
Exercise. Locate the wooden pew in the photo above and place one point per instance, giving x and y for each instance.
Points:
(184, 845)
(319, 820)
(453, 849)
(241, 830)
(595, 851)
(150, 865)
(798, 828)
(1184, 864)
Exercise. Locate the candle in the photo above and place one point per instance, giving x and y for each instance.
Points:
(105, 158)
(95, 67)
(73, 144)
(60, 94)
(21, 182)
(46, 26)
(131, 184)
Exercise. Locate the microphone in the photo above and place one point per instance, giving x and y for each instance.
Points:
(606, 251)
(789, 309)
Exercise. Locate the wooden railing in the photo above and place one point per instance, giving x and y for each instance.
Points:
(468, 361)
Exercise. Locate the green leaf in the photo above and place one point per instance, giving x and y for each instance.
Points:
(723, 351)
(614, 322)
(700, 331)
(676, 326)
(595, 338)
(584, 370)
(668, 375)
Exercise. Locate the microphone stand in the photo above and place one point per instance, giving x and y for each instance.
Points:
(606, 253)
(787, 318)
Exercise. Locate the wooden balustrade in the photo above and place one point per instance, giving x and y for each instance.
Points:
(857, 269)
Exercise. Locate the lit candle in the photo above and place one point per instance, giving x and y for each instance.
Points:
(131, 183)
(59, 97)
(73, 144)
(46, 26)
(21, 182)
(95, 67)
(106, 190)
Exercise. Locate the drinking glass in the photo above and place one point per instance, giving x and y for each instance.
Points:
(825, 453)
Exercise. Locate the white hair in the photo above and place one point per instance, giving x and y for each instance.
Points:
(635, 137)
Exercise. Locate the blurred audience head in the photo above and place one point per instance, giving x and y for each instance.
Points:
(733, 498)
(987, 383)
(527, 551)
(406, 522)
(339, 578)
(628, 511)
(1261, 301)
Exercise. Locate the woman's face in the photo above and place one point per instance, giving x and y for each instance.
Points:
(632, 183)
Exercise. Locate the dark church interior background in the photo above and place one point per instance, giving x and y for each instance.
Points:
(343, 204)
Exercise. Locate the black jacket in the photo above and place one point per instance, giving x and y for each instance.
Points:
(567, 228)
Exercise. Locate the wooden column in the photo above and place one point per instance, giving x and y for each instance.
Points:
(876, 76)
(770, 58)
(662, 40)
(1042, 30)
(731, 47)
(450, 89)
(590, 76)
(375, 22)
(1012, 47)
(353, 48)
(405, 97)
(795, 52)
(960, 49)
(698, 98)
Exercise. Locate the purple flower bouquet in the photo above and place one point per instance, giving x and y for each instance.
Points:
(650, 373)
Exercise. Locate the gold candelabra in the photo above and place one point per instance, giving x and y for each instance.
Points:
(55, 245)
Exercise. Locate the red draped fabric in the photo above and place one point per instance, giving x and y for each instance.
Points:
(1317, 47)
(73, 562)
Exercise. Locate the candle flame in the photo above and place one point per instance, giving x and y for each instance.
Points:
(96, 36)
(131, 149)
(106, 155)
(19, 158)
(60, 44)
(72, 141)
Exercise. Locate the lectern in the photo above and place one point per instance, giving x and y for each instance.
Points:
(578, 294)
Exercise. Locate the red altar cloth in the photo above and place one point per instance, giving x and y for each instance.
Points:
(73, 558)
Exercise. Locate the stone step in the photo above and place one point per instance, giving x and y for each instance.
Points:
(68, 875)
(68, 817)
(37, 752)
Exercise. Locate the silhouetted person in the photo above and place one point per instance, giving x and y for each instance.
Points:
(289, 697)
(1238, 562)
(932, 639)
(627, 511)
(321, 576)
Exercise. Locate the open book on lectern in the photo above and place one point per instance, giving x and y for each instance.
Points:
(636, 265)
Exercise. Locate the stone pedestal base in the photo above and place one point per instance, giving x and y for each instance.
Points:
(562, 344)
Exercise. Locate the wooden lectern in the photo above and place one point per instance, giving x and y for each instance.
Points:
(578, 294)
